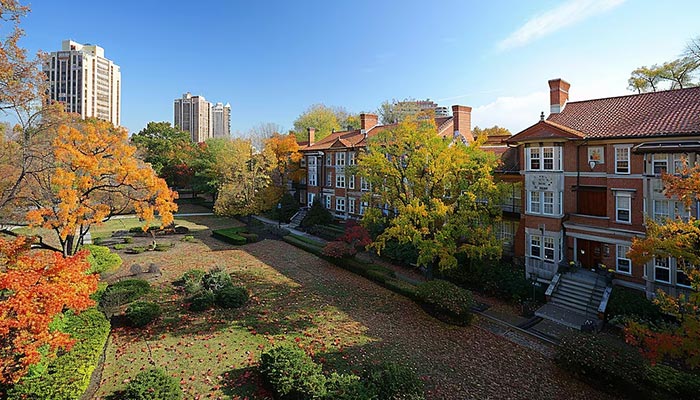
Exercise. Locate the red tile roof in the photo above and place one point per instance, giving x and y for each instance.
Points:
(665, 113)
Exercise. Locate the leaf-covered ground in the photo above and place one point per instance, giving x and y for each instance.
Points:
(341, 318)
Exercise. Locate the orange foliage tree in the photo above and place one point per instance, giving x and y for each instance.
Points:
(679, 239)
(35, 287)
(96, 176)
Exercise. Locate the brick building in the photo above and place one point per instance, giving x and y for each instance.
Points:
(592, 173)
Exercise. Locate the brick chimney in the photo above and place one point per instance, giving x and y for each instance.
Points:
(368, 121)
(558, 95)
(462, 122)
(312, 135)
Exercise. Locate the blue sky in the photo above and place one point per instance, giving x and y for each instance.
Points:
(271, 60)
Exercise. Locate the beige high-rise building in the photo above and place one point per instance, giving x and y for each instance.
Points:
(221, 120)
(193, 114)
(89, 84)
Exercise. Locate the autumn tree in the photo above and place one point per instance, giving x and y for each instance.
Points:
(95, 177)
(325, 119)
(679, 239)
(430, 192)
(492, 131)
(169, 150)
(35, 288)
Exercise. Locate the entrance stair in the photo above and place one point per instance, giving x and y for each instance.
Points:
(575, 300)
(298, 217)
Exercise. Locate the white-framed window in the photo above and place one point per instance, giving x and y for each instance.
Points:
(351, 205)
(659, 163)
(681, 211)
(662, 270)
(623, 264)
(661, 210)
(329, 159)
(340, 204)
(679, 162)
(536, 246)
(363, 206)
(561, 204)
(352, 158)
(681, 277)
(548, 242)
(310, 198)
(329, 179)
(312, 177)
(548, 203)
(546, 158)
(328, 202)
(506, 233)
(622, 160)
(533, 202)
(340, 180)
(351, 182)
(534, 160)
(340, 159)
(623, 207)
(364, 185)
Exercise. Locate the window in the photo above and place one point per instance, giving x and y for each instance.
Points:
(535, 246)
(302, 162)
(681, 277)
(622, 160)
(534, 153)
(662, 270)
(351, 158)
(659, 163)
(622, 207)
(680, 211)
(506, 233)
(351, 182)
(340, 159)
(661, 211)
(679, 162)
(340, 180)
(363, 205)
(328, 202)
(548, 248)
(329, 179)
(312, 177)
(548, 158)
(351, 205)
(364, 185)
(533, 205)
(311, 197)
(623, 264)
(340, 204)
(329, 159)
(548, 203)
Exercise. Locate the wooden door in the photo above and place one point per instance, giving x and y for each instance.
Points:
(590, 253)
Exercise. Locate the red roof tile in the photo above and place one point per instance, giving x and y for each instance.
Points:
(665, 113)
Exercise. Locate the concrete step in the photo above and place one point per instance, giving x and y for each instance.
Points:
(562, 315)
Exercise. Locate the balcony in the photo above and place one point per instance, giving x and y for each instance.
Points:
(541, 268)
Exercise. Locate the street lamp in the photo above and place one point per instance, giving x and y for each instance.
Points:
(279, 215)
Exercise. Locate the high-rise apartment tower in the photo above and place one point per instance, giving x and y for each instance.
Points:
(193, 114)
(221, 120)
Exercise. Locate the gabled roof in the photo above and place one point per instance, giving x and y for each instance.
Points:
(545, 130)
(665, 113)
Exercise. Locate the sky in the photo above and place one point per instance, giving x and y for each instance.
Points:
(271, 60)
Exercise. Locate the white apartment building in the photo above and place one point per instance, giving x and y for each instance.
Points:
(89, 84)
(221, 120)
(193, 114)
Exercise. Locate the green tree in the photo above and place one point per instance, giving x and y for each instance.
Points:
(443, 193)
(169, 150)
(645, 79)
(492, 131)
(319, 116)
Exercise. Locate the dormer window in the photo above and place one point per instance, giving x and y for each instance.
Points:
(545, 158)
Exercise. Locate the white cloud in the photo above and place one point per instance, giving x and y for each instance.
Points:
(514, 113)
(569, 13)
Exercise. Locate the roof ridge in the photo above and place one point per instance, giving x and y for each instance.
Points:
(634, 94)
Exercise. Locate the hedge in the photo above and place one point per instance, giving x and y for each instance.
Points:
(68, 375)
(101, 259)
(391, 381)
(678, 384)
(447, 300)
(631, 303)
(124, 292)
(141, 313)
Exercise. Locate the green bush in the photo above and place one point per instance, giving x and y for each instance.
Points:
(128, 239)
(347, 387)
(405, 254)
(216, 279)
(250, 237)
(202, 301)
(136, 250)
(101, 259)
(681, 385)
(602, 359)
(231, 235)
(231, 296)
(631, 303)
(124, 292)
(292, 374)
(188, 238)
(141, 313)
(447, 298)
(493, 278)
(192, 280)
(289, 207)
(317, 215)
(165, 246)
(67, 376)
(119, 246)
(393, 381)
(153, 384)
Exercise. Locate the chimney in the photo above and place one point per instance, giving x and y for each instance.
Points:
(462, 122)
(558, 95)
(368, 121)
(312, 135)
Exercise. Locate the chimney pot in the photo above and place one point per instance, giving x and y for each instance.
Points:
(462, 122)
(558, 94)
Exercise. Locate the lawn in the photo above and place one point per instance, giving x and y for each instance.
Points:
(344, 320)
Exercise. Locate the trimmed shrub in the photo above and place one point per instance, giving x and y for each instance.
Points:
(347, 387)
(250, 237)
(119, 246)
(153, 384)
(101, 259)
(672, 381)
(391, 381)
(292, 374)
(338, 249)
(141, 313)
(163, 246)
(202, 301)
(123, 292)
(317, 215)
(631, 303)
(494, 279)
(188, 238)
(136, 250)
(67, 376)
(231, 296)
(231, 235)
(447, 298)
(216, 279)
(192, 280)
(128, 239)
(602, 359)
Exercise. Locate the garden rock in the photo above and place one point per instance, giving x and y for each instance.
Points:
(136, 269)
(154, 269)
